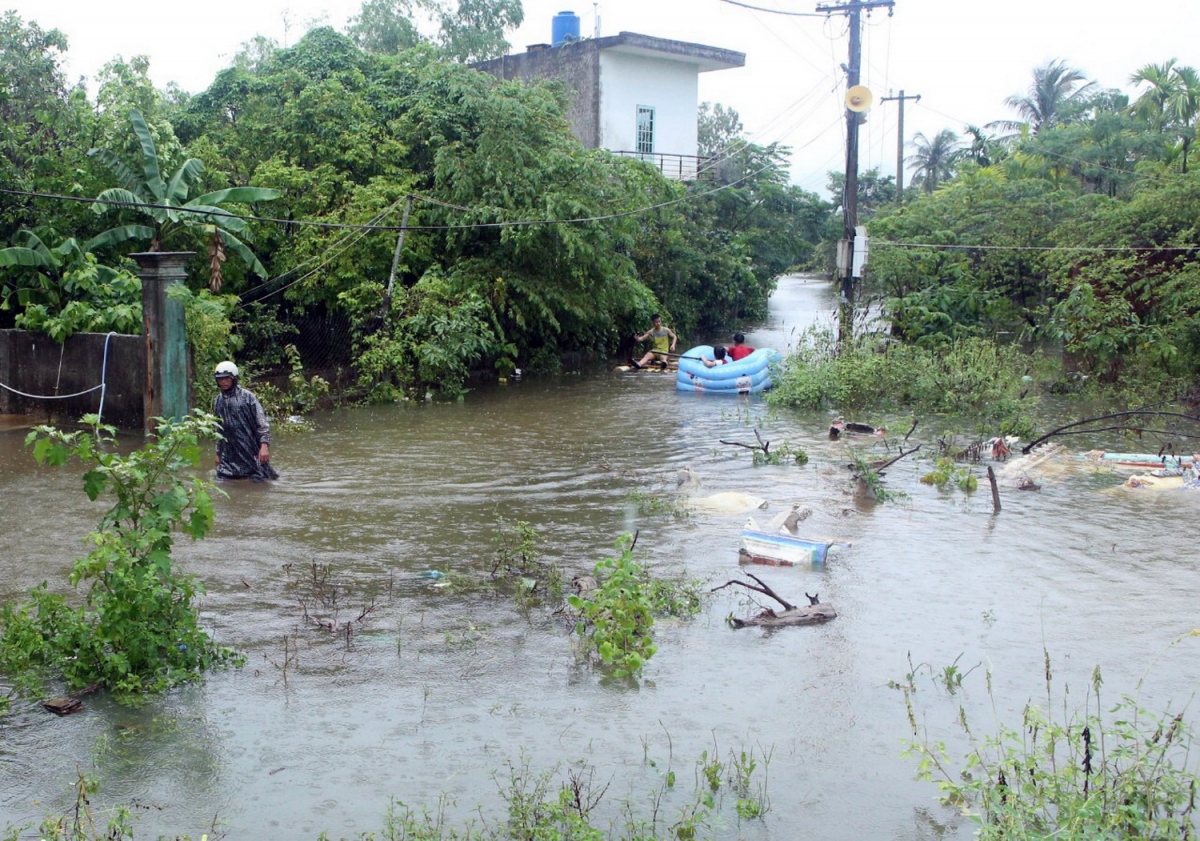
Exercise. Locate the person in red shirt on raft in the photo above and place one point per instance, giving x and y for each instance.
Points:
(739, 350)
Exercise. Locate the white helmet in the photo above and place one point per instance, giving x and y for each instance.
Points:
(227, 369)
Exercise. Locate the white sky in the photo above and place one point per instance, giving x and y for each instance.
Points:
(963, 56)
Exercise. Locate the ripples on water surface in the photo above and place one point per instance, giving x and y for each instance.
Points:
(442, 687)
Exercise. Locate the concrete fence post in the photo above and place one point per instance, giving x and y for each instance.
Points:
(163, 328)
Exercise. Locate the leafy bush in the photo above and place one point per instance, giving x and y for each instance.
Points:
(974, 377)
(1070, 775)
(88, 298)
(137, 629)
(946, 472)
(616, 618)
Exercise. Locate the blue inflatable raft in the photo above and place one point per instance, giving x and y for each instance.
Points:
(746, 376)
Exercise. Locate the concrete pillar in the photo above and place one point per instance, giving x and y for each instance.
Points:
(163, 329)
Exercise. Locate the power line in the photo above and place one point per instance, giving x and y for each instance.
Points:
(775, 11)
(882, 243)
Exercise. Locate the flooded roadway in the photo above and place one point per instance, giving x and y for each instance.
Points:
(441, 686)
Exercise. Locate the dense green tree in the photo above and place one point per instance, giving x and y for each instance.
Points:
(1130, 303)
(938, 286)
(473, 30)
(468, 30)
(385, 27)
(46, 126)
(718, 128)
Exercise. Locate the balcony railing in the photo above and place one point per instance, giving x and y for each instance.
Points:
(677, 167)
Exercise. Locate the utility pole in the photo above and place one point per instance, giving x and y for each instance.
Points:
(900, 141)
(853, 9)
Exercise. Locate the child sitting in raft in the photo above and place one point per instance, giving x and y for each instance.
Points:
(719, 358)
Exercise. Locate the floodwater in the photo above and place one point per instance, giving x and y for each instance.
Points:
(440, 687)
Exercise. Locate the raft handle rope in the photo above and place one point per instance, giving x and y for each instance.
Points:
(102, 387)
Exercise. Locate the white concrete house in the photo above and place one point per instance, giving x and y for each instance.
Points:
(633, 94)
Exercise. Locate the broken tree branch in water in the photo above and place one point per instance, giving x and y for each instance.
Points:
(809, 614)
(1072, 428)
(893, 460)
(764, 446)
(761, 588)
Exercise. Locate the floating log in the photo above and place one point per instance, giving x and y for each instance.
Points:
(811, 614)
(63, 706)
(68, 704)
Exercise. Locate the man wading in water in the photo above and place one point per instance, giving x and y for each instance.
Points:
(245, 452)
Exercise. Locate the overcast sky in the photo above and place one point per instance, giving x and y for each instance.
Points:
(962, 56)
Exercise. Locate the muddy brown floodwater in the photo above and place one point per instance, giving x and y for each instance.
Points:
(442, 687)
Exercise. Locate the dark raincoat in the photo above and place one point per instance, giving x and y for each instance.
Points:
(245, 427)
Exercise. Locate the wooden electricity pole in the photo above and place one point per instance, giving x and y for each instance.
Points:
(853, 9)
(900, 141)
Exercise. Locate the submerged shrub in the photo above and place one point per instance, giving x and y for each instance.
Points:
(137, 629)
(1069, 775)
(973, 376)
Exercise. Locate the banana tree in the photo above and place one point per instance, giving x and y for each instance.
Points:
(165, 202)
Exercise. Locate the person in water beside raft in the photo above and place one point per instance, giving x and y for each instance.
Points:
(739, 351)
(244, 451)
(662, 341)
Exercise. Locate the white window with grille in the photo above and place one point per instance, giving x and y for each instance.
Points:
(644, 131)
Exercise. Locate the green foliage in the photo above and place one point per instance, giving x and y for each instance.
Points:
(63, 290)
(89, 299)
(1069, 775)
(164, 200)
(137, 630)
(302, 394)
(650, 504)
(517, 559)
(783, 453)
(209, 330)
(946, 472)
(616, 619)
(978, 378)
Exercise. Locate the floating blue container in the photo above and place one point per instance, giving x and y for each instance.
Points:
(564, 28)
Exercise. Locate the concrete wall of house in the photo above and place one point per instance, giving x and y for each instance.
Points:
(576, 65)
(35, 364)
(670, 87)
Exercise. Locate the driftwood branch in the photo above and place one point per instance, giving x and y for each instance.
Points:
(911, 430)
(765, 446)
(761, 588)
(810, 614)
(895, 459)
(1073, 428)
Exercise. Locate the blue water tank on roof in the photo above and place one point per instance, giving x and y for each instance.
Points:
(564, 28)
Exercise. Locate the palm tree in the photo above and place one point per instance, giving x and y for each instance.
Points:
(1054, 87)
(166, 204)
(934, 160)
(1152, 104)
(1183, 106)
(983, 149)
(1171, 102)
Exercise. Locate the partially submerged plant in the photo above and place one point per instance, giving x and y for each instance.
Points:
(946, 472)
(137, 629)
(1069, 775)
(616, 617)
